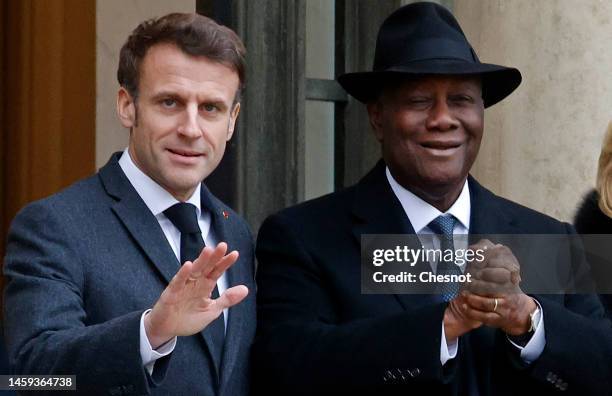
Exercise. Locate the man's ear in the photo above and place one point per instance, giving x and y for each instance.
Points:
(375, 115)
(232, 121)
(126, 108)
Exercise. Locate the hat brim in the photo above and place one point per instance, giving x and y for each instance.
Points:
(497, 81)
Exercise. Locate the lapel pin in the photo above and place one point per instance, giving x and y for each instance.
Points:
(225, 214)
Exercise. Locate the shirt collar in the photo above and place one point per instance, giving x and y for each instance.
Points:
(420, 213)
(154, 196)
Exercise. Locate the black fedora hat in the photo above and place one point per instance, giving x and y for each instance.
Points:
(424, 39)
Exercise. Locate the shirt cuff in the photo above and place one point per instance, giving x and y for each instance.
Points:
(147, 353)
(447, 351)
(536, 344)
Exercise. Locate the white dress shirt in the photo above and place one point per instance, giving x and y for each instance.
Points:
(420, 214)
(158, 200)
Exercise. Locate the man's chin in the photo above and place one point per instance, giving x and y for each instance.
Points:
(450, 180)
(182, 186)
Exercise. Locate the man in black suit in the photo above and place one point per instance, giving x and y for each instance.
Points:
(317, 332)
(109, 280)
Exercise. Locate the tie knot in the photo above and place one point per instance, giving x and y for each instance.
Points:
(184, 216)
(443, 225)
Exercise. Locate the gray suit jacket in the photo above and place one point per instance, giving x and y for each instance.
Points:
(82, 266)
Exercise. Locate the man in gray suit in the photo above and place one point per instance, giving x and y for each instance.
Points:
(95, 285)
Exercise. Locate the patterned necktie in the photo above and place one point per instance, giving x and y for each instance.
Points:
(444, 226)
(184, 217)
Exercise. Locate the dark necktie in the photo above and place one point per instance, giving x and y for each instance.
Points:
(444, 226)
(184, 217)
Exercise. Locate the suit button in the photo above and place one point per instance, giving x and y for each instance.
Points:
(390, 375)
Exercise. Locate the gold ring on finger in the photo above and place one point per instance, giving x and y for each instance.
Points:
(496, 301)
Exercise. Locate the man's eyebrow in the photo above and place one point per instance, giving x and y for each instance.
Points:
(212, 99)
(166, 94)
(216, 100)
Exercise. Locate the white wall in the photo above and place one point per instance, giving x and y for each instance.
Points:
(541, 145)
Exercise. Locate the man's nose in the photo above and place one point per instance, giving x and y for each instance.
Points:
(440, 117)
(189, 123)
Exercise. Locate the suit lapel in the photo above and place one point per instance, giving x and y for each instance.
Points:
(376, 210)
(144, 228)
(138, 219)
(493, 218)
(237, 320)
(226, 230)
(487, 215)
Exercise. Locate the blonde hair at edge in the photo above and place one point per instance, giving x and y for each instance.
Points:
(604, 174)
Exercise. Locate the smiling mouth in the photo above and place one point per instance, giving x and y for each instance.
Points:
(185, 153)
(441, 149)
(440, 145)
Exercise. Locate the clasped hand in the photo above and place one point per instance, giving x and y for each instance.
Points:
(493, 297)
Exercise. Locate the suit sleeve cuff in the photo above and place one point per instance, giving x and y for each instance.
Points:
(447, 350)
(147, 353)
(534, 348)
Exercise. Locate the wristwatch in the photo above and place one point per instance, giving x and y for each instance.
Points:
(535, 317)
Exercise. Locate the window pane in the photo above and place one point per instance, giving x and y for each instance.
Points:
(319, 117)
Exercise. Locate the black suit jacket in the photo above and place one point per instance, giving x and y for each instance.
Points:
(317, 332)
(82, 266)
